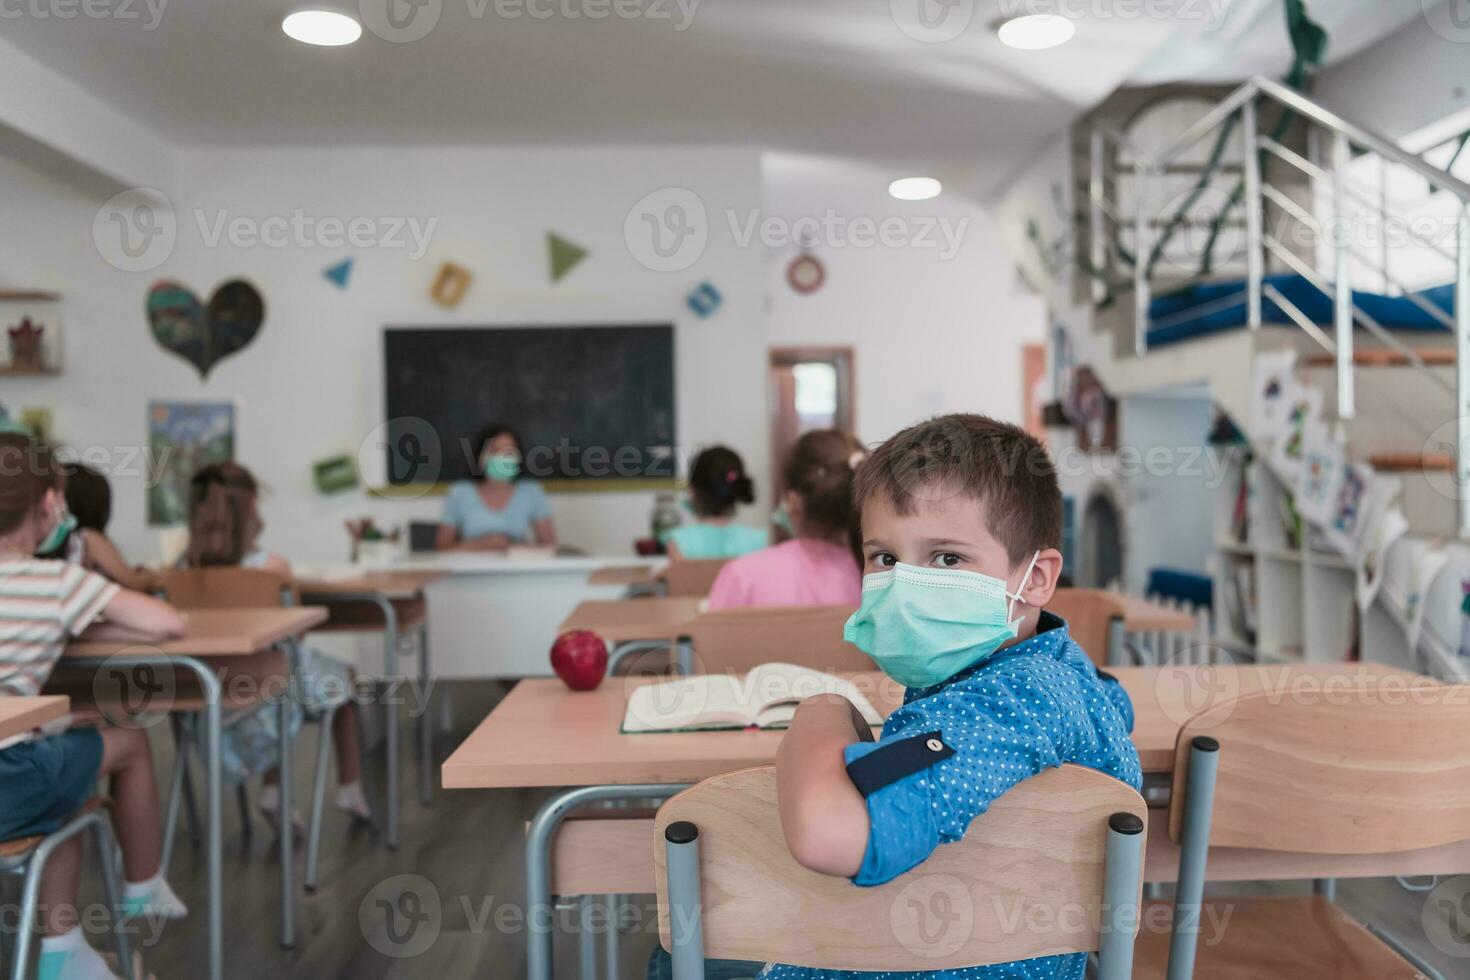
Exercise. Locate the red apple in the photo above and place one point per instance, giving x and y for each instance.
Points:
(579, 658)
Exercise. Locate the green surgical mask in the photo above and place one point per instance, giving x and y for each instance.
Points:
(922, 625)
(55, 540)
(781, 517)
(503, 467)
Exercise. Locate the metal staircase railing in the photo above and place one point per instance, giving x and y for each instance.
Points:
(1107, 219)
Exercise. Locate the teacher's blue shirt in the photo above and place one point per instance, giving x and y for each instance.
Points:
(466, 511)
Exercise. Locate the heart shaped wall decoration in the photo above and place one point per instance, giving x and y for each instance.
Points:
(204, 334)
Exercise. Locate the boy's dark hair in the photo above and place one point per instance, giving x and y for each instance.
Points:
(88, 497)
(996, 463)
(27, 470)
(820, 471)
(717, 482)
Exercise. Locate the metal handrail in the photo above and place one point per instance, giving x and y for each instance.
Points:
(1331, 171)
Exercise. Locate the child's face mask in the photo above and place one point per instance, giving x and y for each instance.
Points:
(923, 625)
(55, 539)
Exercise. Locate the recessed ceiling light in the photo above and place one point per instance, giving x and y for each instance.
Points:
(915, 188)
(1034, 32)
(327, 28)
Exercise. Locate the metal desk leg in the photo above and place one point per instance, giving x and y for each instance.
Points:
(611, 950)
(540, 913)
(426, 719)
(390, 715)
(286, 825)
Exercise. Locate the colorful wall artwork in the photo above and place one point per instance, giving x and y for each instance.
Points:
(183, 436)
(205, 334)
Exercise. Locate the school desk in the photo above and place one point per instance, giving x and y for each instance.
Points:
(632, 579)
(543, 734)
(495, 614)
(210, 638)
(393, 603)
(636, 625)
(20, 715)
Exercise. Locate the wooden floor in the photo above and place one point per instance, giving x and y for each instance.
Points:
(454, 888)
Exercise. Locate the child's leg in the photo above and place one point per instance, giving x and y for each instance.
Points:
(136, 819)
(58, 893)
(344, 740)
(65, 954)
(127, 759)
(350, 797)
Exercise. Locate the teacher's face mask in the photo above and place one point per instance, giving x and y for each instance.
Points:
(923, 625)
(502, 467)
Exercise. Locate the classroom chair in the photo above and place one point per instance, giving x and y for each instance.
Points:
(740, 639)
(690, 576)
(1356, 771)
(26, 858)
(244, 588)
(1094, 619)
(1053, 867)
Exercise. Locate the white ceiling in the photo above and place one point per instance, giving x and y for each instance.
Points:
(835, 77)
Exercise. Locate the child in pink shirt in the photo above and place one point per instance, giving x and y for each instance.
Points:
(818, 566)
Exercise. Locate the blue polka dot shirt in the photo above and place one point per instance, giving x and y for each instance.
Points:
(1029, 707)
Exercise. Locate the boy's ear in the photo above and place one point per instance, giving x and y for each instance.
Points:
(1038, 589)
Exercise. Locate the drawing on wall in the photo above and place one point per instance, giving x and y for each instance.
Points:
(1317, 480)
(32, 339)
(450, 285)
(565, 255)
(705, 299)
(183, 436)
(204, 334)
(339, 274)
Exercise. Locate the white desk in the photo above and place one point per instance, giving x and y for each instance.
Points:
(495, 615)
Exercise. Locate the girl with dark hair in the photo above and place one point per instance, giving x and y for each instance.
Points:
(818, 566)
(89, 498)
(501, 507)
(717, 484)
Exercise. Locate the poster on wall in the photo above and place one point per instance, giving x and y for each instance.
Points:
(183, 436)
(1351, 510)
(1319, 477)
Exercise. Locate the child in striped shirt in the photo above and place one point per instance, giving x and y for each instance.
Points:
(46, 777)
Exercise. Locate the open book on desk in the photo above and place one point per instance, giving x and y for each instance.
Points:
(766, 697)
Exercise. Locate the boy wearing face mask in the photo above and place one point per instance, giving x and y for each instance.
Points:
(46, 775)
(961, 517)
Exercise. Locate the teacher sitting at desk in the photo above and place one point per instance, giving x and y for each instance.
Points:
(501, 507)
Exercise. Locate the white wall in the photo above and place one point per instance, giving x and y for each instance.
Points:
(1409, 80)
(310, 385)
(936, 329)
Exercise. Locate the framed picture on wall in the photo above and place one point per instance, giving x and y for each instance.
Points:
(31, 342)
(182, 437)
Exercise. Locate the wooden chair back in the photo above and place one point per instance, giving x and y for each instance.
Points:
(809, 636)
(1037, 852)
(1360, 768)
(1089, 614)
(691, 576)
(227, 588)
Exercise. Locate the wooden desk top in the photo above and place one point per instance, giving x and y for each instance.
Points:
(543, 734)
(1140, 615)
(619, 620)
(20, 715)
(396, 586)
(623, 575)
(216, 633)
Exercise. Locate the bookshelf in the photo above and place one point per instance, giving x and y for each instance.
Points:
(1278, 591)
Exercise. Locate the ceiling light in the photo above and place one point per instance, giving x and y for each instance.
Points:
(915, 188)
(1036, 31)
(324, 27)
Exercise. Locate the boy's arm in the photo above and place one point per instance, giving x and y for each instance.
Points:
(823, 816)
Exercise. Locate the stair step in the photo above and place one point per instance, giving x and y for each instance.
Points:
(1403, 462)
(1386, 357)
